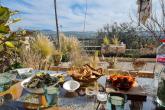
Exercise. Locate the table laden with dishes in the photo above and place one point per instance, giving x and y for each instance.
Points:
(84, 88)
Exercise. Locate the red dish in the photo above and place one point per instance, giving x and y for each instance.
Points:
(122, 82)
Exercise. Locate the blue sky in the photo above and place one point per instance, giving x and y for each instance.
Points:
(39, 14)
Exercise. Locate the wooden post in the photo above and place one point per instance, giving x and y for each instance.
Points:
(57, 30)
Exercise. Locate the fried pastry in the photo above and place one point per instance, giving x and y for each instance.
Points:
(86, 73)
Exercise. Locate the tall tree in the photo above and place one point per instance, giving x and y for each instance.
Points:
(156, 24)
(127, 33)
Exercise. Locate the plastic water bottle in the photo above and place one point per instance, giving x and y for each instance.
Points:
(160, 58)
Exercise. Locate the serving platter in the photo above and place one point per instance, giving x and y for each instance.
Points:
(134, 93)
(85, 74)
(35, 90)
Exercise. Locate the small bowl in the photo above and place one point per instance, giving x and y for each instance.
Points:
(117, 100)
(102, 97)
(71, 85)
(90, 91)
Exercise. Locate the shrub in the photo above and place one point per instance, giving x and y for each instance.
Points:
(38, 54)
(69, 45)
(42, 45)
(133, 53)
(8, 40)
(65, 57)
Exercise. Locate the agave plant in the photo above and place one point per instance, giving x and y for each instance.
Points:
(106, 41)
(115, 40)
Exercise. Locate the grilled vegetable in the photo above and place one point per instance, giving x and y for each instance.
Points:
(40, 80)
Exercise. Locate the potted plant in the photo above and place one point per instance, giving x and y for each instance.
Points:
(112, 62)
(57, 57)
(138, 64)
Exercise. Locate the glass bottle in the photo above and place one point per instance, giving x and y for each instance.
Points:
(160, 58)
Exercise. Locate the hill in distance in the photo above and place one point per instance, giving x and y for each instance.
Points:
(88, 34)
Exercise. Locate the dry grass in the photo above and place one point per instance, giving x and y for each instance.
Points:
(69, 44)
(39, 54)
(42, 45)
(78, 56)
(30, 59)
(94, 60)
(79, 59)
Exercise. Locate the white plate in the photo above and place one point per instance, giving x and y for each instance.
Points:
(23, 70)
(71, 85)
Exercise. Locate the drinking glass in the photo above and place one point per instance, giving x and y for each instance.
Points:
(1, 100)
(52, 95)
(116, 101)
(102, 98)
(147, 84)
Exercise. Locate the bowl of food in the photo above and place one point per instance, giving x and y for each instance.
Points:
(122, 82)
(86, 74)
(39, 82)
(71, 85)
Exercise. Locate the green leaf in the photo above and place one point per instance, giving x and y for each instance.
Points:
(9, 44)
(16, 20)
(1, 48)
(1, 36)
(11, 21)
(4, 29)
(24, 32)
(13, 12)
(12, 36)
(4, 14)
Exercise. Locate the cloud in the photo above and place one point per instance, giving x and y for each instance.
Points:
(39, 14)
(23, 2)
(77, 9)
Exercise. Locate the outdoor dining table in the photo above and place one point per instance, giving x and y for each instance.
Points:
(76, 102)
